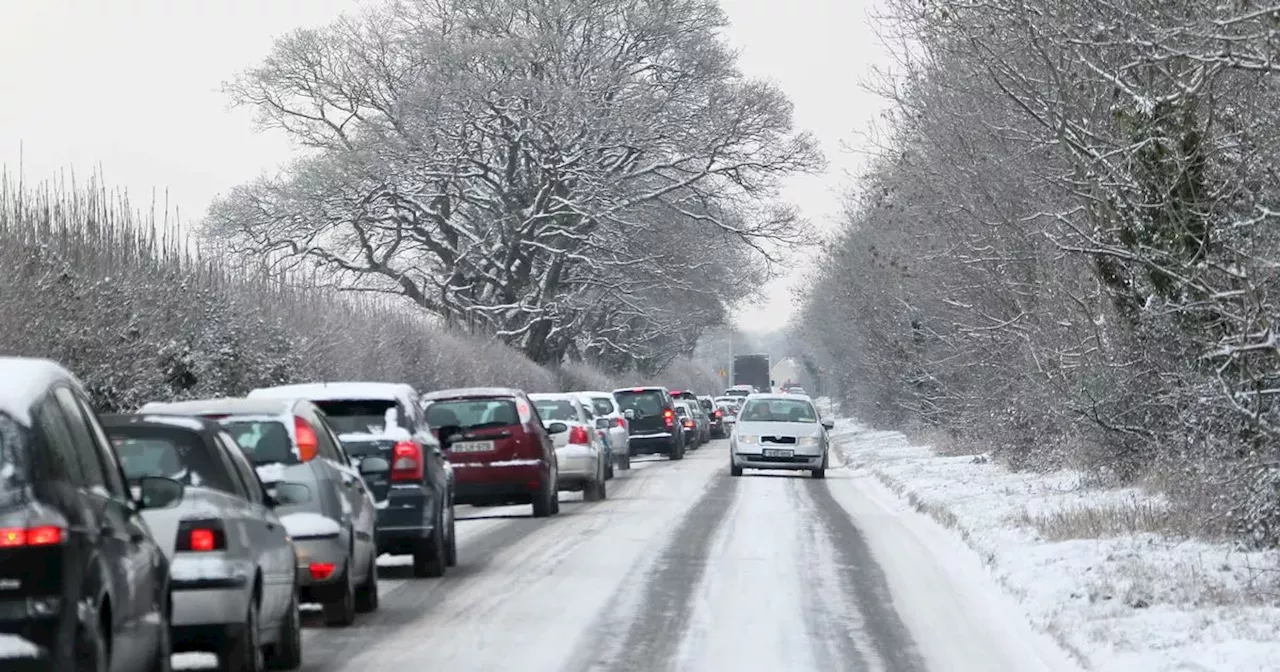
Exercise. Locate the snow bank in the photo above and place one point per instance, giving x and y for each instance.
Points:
(13, 646)
(1131, 602)
(300, 525)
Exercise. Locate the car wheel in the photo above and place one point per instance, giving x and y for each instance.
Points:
(428, 557)
(286, 653)
(626, 462)
(342, 612)
(543, 505)
(677, 451)
(244, 652)
(819, 473)
(367, 594)
(735, 470)
(451, 549)
(555, 502)
(91, 653)
(609, 469)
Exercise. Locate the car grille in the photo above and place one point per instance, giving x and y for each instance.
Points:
(778, 439)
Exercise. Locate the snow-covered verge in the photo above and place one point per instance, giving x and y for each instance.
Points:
(1131, 601)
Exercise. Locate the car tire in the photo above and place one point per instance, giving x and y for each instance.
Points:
(542, 501)
(735, 470)
(608, 473)
(244, 652)
(555, 503)
(286, 653)
(163, 660)
(451, 546)
(677, 451)
(342, 612)
(367, 594)
(429, 556)
(90, 648)
(626, 462)
(819, 473)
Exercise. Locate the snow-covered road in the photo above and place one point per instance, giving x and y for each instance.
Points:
(687, 568)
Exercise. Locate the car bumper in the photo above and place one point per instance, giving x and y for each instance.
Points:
(18, 618)
(799, 461)
(326, 550)
(490, 482)
(404, 517)
(209, 588)
(649, 444)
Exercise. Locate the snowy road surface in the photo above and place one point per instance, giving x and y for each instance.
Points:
(687, 568)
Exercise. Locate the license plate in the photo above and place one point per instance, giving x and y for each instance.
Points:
(778, 452)
(472, 447)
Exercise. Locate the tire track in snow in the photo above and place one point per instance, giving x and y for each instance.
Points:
(657, 633)
(864, 584)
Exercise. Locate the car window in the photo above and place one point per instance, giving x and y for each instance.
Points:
(682, 411)
(642, 403)
(112, 472)
(551, 410)
(330, 445)
(473, 413)
(86, 452)
(171, 452)
(241, 467)
(602, 405)
(359, 416)
(263, 441)
(14, 451)
(60, 447)
(778, 410)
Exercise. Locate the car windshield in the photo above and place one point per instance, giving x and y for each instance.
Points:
(171, 452)
(644, 403)
(556, 409)
(731, 409)
(602, 405)
(357, 416)
(706, 404)
(778, 410)
(682, 411)
(263, 441)
(473, 413)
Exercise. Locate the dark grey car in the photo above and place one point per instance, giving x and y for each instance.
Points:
(334, 528)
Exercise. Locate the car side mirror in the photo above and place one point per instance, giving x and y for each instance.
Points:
(602, 423)
(629, 414)
(286, 493)
(557, 428)
(158, 492)
(372, 466)
(829, 424)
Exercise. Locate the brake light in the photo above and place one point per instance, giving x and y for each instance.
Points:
(637, 389)
(321, 570)
(305, 437)
(406, 464)
(578, 435)
(201, 536)
(43, 535)
(719, 413)
(669, 417)
(688, 422)
(621, 422)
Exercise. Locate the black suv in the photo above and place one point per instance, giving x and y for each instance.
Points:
(82, 581)
(651, 415)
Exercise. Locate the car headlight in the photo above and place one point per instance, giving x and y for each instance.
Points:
(809, 441)
(746, 438)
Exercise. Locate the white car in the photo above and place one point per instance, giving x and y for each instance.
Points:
(779, 431)
(580, 452)
(609, 417)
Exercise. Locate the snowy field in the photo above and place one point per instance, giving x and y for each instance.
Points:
(1121, 602)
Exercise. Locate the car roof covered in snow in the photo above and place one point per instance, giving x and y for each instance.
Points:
(641, 388)
(337, 391)
(222, 406)
(781, 396)
(186, 422)
(471, 393)
(24, 379)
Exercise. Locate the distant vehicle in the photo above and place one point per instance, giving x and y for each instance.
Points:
(779, 431)
(740, 392)
(684, 394)
(414, 497)
(715, 415)
(500, 451)
(797, 390)
(728, 412)
(87, 585)
(686, 415)
(607, 409)
(651, 417)
(233, 568)
(581, 458)
(289, 442)
(752, 370)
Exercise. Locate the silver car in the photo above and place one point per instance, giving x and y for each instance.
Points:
(333, 524)
(779, 431)
(580, 453)
(232, 564)
(615, 425)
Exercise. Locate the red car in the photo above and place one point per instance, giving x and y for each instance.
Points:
(499, 450)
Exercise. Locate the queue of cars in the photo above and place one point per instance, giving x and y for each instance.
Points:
(203, 525)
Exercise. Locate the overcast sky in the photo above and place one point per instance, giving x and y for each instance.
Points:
(132, 87)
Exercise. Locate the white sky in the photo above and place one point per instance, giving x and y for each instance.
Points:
(131, 87)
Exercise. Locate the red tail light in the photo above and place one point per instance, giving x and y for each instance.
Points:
(305, 436)
(44, 535)
(688, 423)
(407, 462)
(321, 570)
(669, 417)
(201, 536)
(621, 422)
(719, 414)
(578, 435)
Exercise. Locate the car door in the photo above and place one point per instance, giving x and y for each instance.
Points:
(435, 461)
(588, 420)
(126, 541)
(352, 488)
(274, 552)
